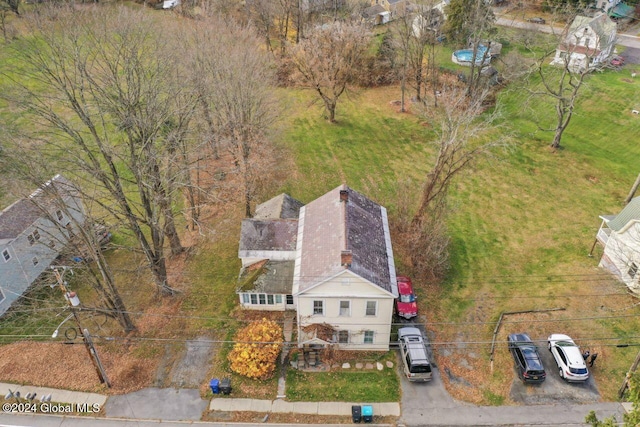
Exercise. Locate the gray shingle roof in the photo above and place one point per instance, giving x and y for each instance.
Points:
(282, 206)
(629, 213)
(268, 235)
(331, 227)
(17, 217)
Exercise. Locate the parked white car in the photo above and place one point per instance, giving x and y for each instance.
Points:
(568, 357)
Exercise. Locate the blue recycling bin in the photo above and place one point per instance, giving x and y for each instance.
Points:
(215, 385)
(367, 413)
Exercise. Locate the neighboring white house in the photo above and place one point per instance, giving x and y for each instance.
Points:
(605, 5)
(33, 231)
(341, 278)
(620, 236)
(587, 43)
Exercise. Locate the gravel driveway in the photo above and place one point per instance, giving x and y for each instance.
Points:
(554, 389)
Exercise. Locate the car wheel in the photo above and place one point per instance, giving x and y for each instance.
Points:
(560, 371)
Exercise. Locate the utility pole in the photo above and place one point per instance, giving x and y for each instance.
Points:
(625, 383)
(86, 338)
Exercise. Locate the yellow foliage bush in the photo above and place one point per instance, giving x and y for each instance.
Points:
(256, 350)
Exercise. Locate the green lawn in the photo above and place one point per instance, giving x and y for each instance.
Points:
(345, 386)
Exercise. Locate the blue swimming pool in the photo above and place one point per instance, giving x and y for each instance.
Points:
(464, 56)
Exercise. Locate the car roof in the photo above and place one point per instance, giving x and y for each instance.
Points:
(574, 357)
(409, 331)
(520, 339)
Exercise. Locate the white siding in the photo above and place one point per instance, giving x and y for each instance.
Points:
(349, 287)
(621, 251)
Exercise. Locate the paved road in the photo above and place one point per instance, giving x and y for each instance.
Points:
(626, 40)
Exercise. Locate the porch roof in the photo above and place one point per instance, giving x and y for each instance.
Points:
(267, 277)
(629, 213)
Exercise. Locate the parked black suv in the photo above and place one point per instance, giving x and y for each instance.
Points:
(526, 358)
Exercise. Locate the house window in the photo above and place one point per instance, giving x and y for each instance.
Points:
(289, 299)
(31, 239)
(59, 215)
(35, 261)
(371, 308)
(245, 298)
(6, 255)
(36, 234)
(254, 299)
(318, 308)
(262, 298)
(345, 308)
(270, 299)
(343, 337)
(368, 337)
(278, 299)
(633, 270)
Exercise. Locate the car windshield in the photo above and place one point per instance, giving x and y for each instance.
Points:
(578, 371)
(565, 344)
(407, 298)
(531, 356)
(420, 369)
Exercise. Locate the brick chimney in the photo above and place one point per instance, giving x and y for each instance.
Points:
(345, 258)
(344, 195)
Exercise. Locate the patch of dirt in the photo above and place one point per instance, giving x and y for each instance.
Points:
(69, 367)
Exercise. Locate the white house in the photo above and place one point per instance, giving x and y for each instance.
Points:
(33, 231)
(341, 277)
(620, 236)
(587, 43)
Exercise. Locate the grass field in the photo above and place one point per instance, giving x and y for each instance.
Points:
(522, 224)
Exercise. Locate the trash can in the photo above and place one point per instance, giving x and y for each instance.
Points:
(215, 385)
(225, 386)
(367, 413)
(356, 413)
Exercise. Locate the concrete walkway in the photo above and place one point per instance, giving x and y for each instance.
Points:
(279, 406)
(58, 396)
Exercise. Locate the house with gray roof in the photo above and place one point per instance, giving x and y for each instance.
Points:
(344, 279)
(33, 231)
(587, 43)
(340, 278)
(620, 236)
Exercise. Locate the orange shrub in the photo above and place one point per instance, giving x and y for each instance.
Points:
(256, 350)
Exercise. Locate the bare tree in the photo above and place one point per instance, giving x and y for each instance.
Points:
(471, 23)
(414, 33)
(580, 51)
(459, 143)
(328, 59)
(235, 81)
(105, 110)
(462, 140)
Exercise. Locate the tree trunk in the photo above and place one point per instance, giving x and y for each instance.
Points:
(171, 232)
